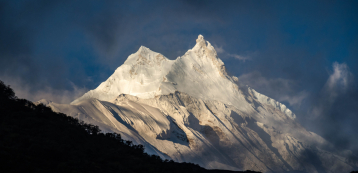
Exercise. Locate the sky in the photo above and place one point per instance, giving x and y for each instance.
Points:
(301, 53)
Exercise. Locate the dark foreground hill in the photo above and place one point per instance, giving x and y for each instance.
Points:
(33, 138)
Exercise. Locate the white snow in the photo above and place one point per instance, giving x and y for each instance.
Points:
(140, 75)
(266, 100)
(190, 110)
(146, 74)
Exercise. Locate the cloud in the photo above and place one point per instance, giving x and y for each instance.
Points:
(220, 50)
(239, 57)
(337, 85)
(278, 88)
(295, 100)
(333, 113)
(23, 90)
(255, 79)
(338, 81)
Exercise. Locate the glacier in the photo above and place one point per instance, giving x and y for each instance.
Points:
(190, 110)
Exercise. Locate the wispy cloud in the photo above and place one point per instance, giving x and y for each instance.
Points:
(334, 111)
(219, 49)
(278, 88)
(337, 84)
(338, 81)
(294, 100)
(243, 58)
(23, 90)
(239, 57)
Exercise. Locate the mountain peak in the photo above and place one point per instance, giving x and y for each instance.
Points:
(200, 39)
(189, 105)
(143, 49)
(145, 56)
(200, 43)
(147, 74)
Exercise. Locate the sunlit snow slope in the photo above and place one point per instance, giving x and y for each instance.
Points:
(190, 110)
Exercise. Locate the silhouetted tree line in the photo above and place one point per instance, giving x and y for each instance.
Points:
(33, 138)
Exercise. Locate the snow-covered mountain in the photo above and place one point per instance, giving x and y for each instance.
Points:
(190, 110)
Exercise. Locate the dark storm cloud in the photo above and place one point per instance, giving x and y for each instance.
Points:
(333, 112)
(35, 42)
(283, 49)
(20, 66)
(18, 32)
(14, 42)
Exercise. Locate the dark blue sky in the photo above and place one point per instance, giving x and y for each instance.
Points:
(301, 53)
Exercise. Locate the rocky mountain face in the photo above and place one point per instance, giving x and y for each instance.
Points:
(190, 110)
